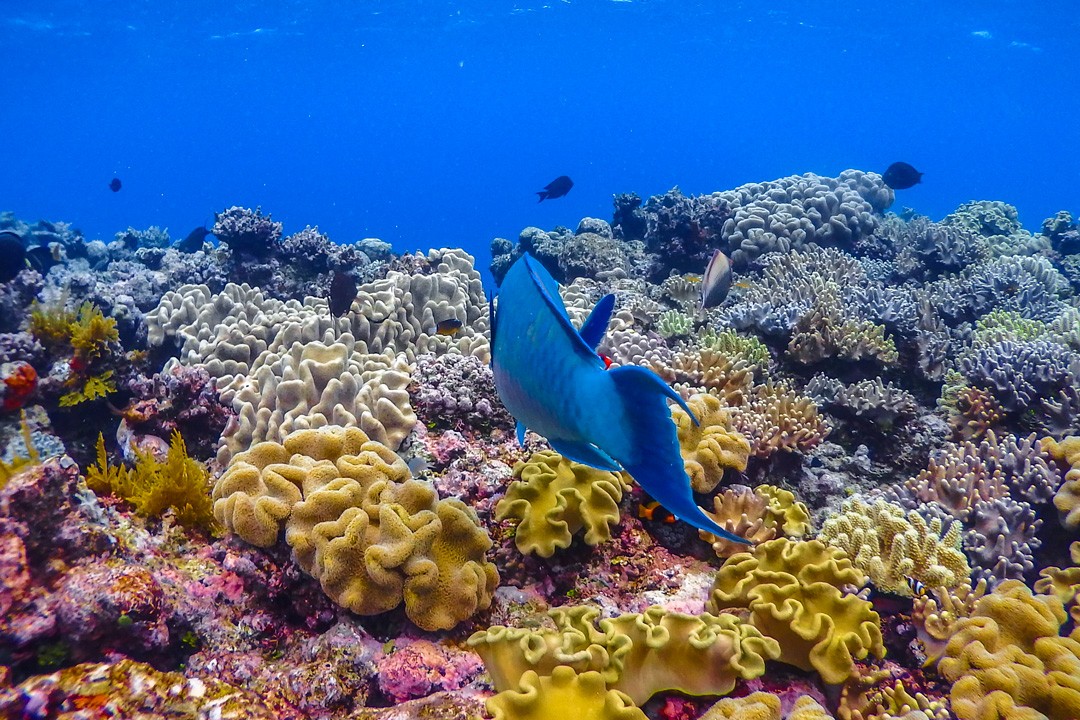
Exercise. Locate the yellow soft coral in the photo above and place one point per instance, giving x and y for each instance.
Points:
(1008, 661)
(757, 515)
(152, 486)
(371, 535)
(554, 498)
(563, 694)
(1067, 499)
(19, 463)
(891, 546)
(639, 654)
(795, 594)
(711, 446)
(763, 706)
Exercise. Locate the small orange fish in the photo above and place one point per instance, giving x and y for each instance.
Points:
(448, 327)
(742, 284)
(654, 512)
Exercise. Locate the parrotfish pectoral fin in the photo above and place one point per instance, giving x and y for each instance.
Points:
(595, 327)
(521, 434)
(653, 457)
(585, 454)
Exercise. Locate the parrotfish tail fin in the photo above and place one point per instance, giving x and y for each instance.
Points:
(655, 462)
(542, 194)
(595, 326)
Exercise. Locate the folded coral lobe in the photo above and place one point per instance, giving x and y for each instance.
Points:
(553, 383)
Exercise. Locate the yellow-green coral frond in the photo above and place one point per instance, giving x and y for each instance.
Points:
(96, 386)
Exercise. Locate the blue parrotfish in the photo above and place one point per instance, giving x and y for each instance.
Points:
(551, 379)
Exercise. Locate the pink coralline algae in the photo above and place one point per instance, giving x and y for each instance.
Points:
(418, 667)
(457, 392)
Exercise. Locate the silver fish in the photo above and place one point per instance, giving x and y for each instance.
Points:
(716, 282)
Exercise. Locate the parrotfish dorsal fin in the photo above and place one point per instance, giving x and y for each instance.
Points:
(549, 291)
(596, 325)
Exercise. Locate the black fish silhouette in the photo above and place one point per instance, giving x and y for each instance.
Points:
(194, 240)
(115, 185)
(12, 255)
(342, 293)
(901, 176)
(556, 188)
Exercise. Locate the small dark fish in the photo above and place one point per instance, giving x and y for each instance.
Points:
(342, 293)
(194, 240)
(448, 327)
(115, 185)
(42, 257)
(716, 282)
(556, 188)
(12, 255)
(901, 176)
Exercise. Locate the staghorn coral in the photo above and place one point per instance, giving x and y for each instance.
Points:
(1008, 660)
(734, 345)
(1067, 497)
(891, 546)
(712, 445)
(371, 535)
(554, 498)
(153, 486)
(757, 515)
(991, 489)
(794, 592)
(639, 654)
(674, 323)
(775, 418)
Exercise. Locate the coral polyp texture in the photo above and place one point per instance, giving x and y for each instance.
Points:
(220, 498)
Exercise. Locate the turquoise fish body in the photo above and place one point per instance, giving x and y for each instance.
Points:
(550, 378)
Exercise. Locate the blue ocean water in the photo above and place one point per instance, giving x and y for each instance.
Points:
(433, 123)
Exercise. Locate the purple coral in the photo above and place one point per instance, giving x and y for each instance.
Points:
(247, 230)
(457, 392)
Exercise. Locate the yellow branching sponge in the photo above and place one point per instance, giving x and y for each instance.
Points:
(1008, 660)
(795, 594)
(563, 694)
(757, 515)
(1067, 499)
(152, 486)
(639, 654)
(554, 498)
(710, 447)
(361, 525)
(763, 706)
(891, 545)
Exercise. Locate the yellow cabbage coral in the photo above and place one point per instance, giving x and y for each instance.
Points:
(763, 706)
(639, 654)
(795, 592)
(554, 498)
(371, 535)
(563, 694)
(891, 546)
(1008, 661)
(711, 446)
(1067, 499)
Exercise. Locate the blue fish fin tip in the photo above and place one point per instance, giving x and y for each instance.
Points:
(521, 434)
(586, 454)
(595, 326)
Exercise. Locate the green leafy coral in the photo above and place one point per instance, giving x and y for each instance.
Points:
(153, 486)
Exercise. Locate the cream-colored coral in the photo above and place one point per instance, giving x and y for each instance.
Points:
(891, 546)
(315, 385)
(712, 445)
(1067, 499)
(756, 515)
(775, 418)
